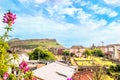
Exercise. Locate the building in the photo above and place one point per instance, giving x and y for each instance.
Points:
(103, 48)
(54, 71)
(114, 48)
(57, 51)
(77, 50)
(119, 55)
(83, 75)
(111, 51)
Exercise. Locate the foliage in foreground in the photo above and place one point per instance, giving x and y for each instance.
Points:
(114, 71)
(7, 60)
(100, 74)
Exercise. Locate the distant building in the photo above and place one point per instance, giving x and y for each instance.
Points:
(53, 50)
(60, 51)
(23, 55)
(114, 48)
(77, 50)
(103, 48)
(93, 47)
(119, 54)
(111, 51)
(57, 51)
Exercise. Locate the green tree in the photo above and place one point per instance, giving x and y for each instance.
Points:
(66, 52)
(40, 53)
(114, 71)
(97, 52)
(87, 52)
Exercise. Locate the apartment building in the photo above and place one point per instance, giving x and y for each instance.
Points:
(77, 50)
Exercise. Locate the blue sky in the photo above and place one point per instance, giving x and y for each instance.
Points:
(71, 22)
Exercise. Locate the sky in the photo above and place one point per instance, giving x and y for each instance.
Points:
(70, 22)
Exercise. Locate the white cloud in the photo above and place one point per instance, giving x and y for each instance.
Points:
(113, 2)
(57, 9)
(103, 10)
(23, 0)
(110, 33)
(28, 2)
(89, 22)
(40, 25)
(39, 1)
(113, 14)
(63, 2)
(83, 16)
(83, 3)
(95, 24)
(70, 11)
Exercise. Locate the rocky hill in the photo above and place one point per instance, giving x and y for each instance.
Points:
(33, 43)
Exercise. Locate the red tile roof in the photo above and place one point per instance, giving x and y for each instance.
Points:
(85, 75)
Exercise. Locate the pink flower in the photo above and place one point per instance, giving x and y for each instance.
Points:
(23, 65)
(69, 79)
(26, 69)
(9, 18)
(5, 76)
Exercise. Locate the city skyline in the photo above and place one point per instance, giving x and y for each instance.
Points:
(70, 22)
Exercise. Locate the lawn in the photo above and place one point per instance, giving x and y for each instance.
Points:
(90, 61)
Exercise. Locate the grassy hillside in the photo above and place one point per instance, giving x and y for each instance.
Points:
(33, 43)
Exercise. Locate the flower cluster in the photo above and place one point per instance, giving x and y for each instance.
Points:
(24, 66)
(25, 70)
(23, 73)
(5, 76)
(9, 18)
(69, 79)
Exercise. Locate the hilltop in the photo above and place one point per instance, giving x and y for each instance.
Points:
(33, 43)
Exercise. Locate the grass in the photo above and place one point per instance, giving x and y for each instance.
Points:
(90, 61)
(58, 57)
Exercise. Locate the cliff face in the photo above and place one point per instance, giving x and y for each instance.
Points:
(33, 43)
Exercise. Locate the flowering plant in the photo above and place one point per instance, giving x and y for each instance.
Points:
(69, 79)
(4, 55)
(24, 72)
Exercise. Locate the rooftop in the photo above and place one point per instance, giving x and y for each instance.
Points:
(84, 75)
(54, 71)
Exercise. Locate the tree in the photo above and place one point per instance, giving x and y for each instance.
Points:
(87, 52)
(40, 53)
(66, 52)
(97, 52)
(114, 71)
